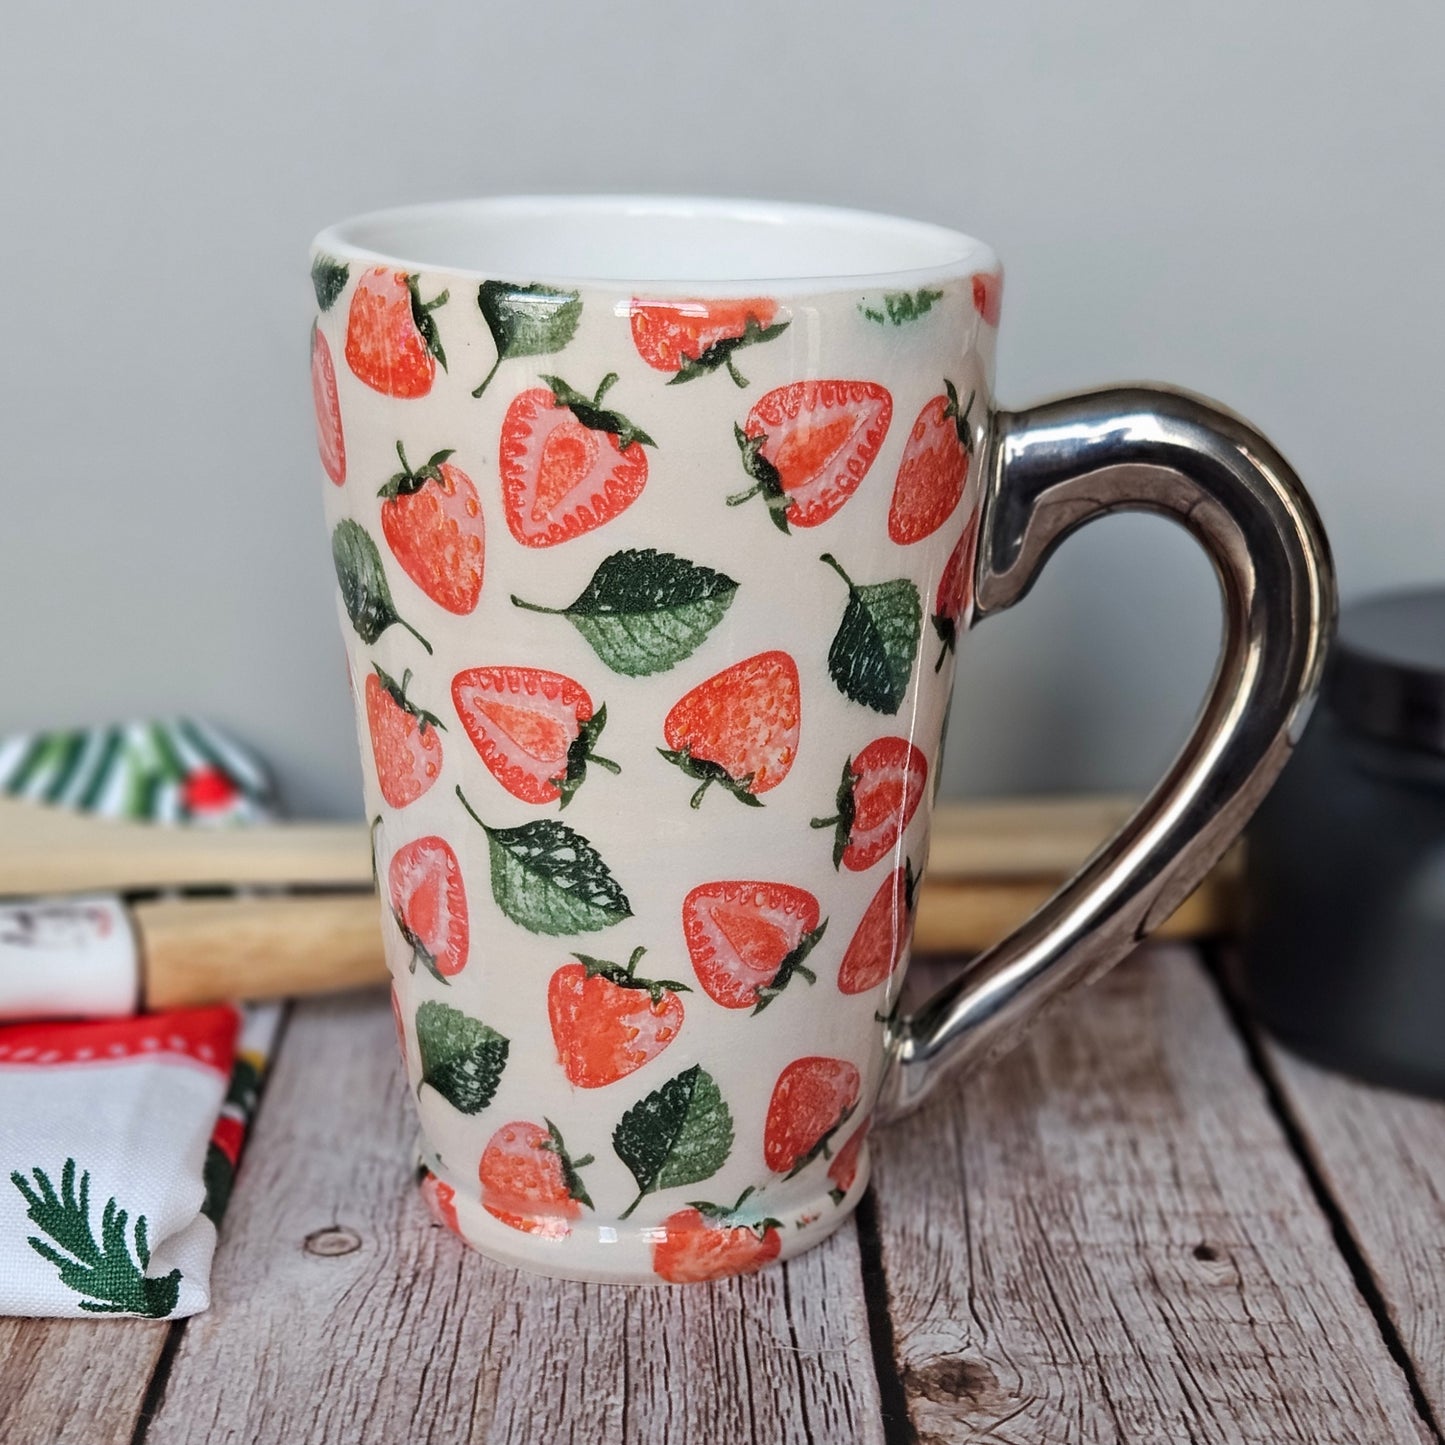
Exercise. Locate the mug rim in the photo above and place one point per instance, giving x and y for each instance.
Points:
(397, 237)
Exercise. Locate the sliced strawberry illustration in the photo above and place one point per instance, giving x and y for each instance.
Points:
(747, 939)
(429, 904)
(881, 939)
(530, 1182)
(391, 337)
(568, 464)
(691, 337)
(812, 1099)
(432, 520)
(405, 739)
(988, 295)
(708, 1241)
(876, 800)
(955, 591)
(739, 728)
(441, 1201)
(329, 440)
(934, 469)
(535, 730)
(844, 1168)
(607, 1022)
(808, 445)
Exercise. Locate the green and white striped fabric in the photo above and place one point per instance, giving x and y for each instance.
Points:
(175, 771)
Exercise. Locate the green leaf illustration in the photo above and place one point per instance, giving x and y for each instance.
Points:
(898, 307)
(362, 579)
(549, 879)
(461, 1058)
(329, 277)
(526, 320)
(113, 1280)
(871, 658)
(645, 611)
(679, 1134)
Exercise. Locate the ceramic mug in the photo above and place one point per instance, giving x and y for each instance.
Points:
(657, 524)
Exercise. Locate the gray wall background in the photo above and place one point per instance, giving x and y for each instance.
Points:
(1246, 199)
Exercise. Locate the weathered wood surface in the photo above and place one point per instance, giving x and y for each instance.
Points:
(1107, 1238)
(344, 1314)
(75, 1382)
(1381, 1155)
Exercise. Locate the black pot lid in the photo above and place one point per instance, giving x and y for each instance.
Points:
(1387, 669)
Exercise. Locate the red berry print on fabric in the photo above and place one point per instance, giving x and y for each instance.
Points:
(808, 445)
(406, 743)
(738, 729)
(607, 1022)
(692, 338)
(391, 336)
(876, 800)
(535, 730)
(429, 905)
(568, 463)
(811, 1100)
(432, 521)
(748, 940)
(934, 470)
(530, 1182)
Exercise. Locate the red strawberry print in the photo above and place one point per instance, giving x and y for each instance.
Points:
(704, 1242)
(208, 790)
(405, 739)
(391, 338)
(530, 1182)
(876, 800)
(812, 1099)
(955, 591)
(534, 730)
(808, 445)
(440, 1200)
(568, 464)
(228, 1136)
(844, 1168)
(739, 728)
(882, 935)
(691, 337)
(988, 295)
(607, 1022)
(329, 440)
(432, 521)
(747, 940)
(429, 905)
(934, 469)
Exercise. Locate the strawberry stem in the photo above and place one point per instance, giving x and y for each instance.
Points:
(696, 800)
(603, 387)
(738, 378)
(738, 498)
(825, 822)
(486, 380)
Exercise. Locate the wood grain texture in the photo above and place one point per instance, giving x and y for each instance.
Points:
(343, 1314)
(1106, 1238)
(1381, 1155)
(75, 1382)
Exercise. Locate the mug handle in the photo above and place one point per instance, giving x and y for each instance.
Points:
(1051, 469)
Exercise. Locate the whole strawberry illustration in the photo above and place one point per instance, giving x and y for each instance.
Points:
(693, 337)
(405, 739)
(429, 904)
(432, 521)
(844, 1168)
(934, 470)
(878, 945)
(530, 1182)
(747, 940)
(811, 1100)
(608, 1022)
(329, 440)
(955, 591)
(391, 336)
(808, 445)
(988, 295)
(876, 800)
(568, 463)
(708, 1241)
(535, 730)
(739, 728)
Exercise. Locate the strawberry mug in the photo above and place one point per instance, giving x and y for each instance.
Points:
(657, 524)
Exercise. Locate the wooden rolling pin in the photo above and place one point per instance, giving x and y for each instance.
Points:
(991, 864)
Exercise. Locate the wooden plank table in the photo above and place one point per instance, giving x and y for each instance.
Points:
(1144, 1225)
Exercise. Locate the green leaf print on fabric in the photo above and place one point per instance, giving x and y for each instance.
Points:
(526, 320)
(681, 1133)
(362, 579)
(644, 611)
(461, 1058)
(872, 654)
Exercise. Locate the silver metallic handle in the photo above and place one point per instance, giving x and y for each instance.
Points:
(1052, 469)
